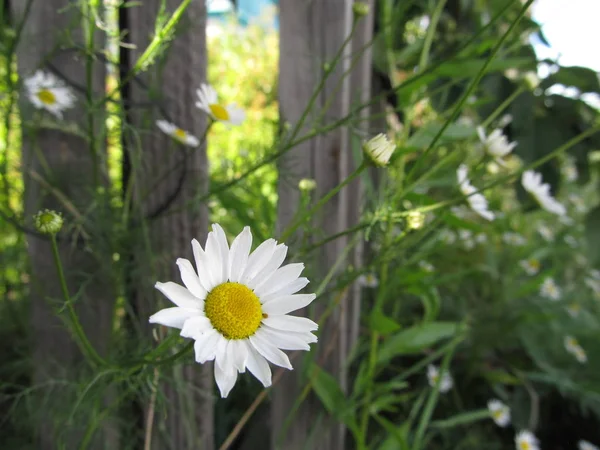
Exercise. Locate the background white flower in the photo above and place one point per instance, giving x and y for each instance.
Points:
(573, 347)
(433, 375)
(177, 133)
(46, 91)
(208, 102)
(379, 149)
(526, 440)
(477, 201)
(531, 266)
(532, 183)
(236, 306)
(515, 239)
(549, 289)
(500, 412)
(496, 144)
(368, 280)
(585, 445)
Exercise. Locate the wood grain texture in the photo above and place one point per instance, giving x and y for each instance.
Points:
(184, 412)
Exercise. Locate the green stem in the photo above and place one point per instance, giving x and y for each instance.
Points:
(84, 343)
(435, 18)
(292, 228)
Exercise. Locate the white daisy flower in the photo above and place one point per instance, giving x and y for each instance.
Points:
(545, 232)
(566, 220)
(460, 211)
(496, 144)
(448, 237)
(368, 280)
(433, 376)
(571, 241)
(379, 149)
(550, 290)
(578, 203)
(595, 274)
(585, 445)
(177, 133)
(573, 347)
(481, 238)
(236, 306)
(570, 172)
(532, 183)
(526, 440)
(426, 266)
(46, 91)
(531, 266)
(500, 412)
(574, 309)
(477, 202)
(515, 239)
(209, 103)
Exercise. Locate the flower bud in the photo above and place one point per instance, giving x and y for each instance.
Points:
(360, 9)
(48, 221)
(379, 150)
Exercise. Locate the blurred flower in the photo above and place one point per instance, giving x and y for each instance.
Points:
(379, 150)
(573, 347)
(513, 239)
(476, 201)
(208, 102)
(566, 220)
(531, 266)
(570, 172)
(368, 280)
(574, 309)
(496, 144)
(307, 184)
(433, 376)
(46, 91)
(481, 238)
(532, 182)
(526, 440)
(531, 79)
(426, 266)
(360, 9)
(585, 445)
(549, 289)
(505, 120)
(448, 237)
(593, 284)
(578, 203)
(545, 232)
(460, 211)
(415, 220)
(48, 221)
(177, 133)
(236, 306)
(571, 241)
(500, 412)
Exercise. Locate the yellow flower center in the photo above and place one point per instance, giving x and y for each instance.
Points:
(497, 414)
(233, 310)
(47, 97)
(180, 134)
(219, 112)
(524, 445)
(534, 264)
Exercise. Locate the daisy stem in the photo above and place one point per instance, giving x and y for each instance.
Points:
(294, 226)
(84, 343)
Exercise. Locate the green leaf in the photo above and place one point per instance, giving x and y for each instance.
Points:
(455, 132)
(383, 324)
(462, 419)
(582, 78)
(329, 391)
(415, 339)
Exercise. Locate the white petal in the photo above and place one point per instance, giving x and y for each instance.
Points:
(194, 326)
(291, 323)
(202, 265)
(238, 354)
(258, 259)
(221, 358)
(280, 278)
(205, 346)
(190, 279)
(291, 288)
(271, 266)
(225, 379)
(270, 352)
(172, 317)
(287, 304)
(238, 255)
(214, 261)
(223, 250)
(179, 295)
(287, 340)
(258, 365)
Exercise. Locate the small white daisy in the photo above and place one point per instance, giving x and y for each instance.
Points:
(236, 306)
(526, 440)
(177, 133)
(477, 201)
(500, 412)
(209, 103)
(426, 266)
(578, 203)
(496, 144)
(368, 280)
(379, 150)
(433, 376)
(46, 91)
(532, 183)
(574, 309)
(545, 232)
(585, 445)
(550, 290)
(570, 173)
(448, 237)
(531, 266)
(573, 347)
(515, 239)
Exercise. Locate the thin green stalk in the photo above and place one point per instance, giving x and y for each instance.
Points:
(89, 31)
(505, 104)
(435, 18)
(84, 343)
(471, 87)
